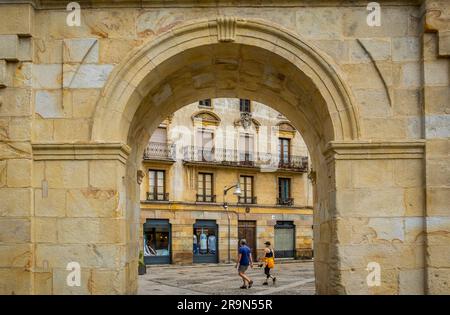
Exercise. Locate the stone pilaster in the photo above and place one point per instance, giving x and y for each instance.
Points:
(80, 216)
(376, 215)
(436, 110)
(16, 110)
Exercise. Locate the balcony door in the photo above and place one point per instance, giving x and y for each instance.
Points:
(157, 146)
(205, 192)
(205, 145)
(156, 185)
(246, 143)
(246, 183)
(284, 150)
(284, 191)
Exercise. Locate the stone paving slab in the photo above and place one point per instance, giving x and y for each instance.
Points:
(295, 277)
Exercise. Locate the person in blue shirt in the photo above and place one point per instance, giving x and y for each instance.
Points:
(244, 260)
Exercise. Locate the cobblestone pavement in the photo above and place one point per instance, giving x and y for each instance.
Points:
(293, 277)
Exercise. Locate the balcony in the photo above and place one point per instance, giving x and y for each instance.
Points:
(205, 198)
(294, 162)
(160, 151)
(236, 158)
(247, 200)
(285, 201)
(157, 196)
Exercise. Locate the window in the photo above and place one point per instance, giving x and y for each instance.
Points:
(205, 241)
(244, 105)
(157, 185)
(205, 103)
(205, 191)
(205, 143)
(284, 239)
(284, 150)
(284, 191)
(246, 149)
(159, 135)
(157, 240)
(157, 147)
(246, 183)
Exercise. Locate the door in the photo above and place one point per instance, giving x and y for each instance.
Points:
(284, 151)
(205, 145)
(246, 144)
(284, 239)
(284, 191)
(247, 231)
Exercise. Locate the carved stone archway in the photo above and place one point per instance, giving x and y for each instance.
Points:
(232, 57)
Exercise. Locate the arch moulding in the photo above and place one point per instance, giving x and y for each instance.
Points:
(121, 95)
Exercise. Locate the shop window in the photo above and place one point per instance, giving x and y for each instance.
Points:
(284, 239)
(205, 241)
(157, 241)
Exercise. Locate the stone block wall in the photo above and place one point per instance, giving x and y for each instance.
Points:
(16, 115)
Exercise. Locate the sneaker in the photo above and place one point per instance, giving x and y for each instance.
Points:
(274, 280)
(250, 284)
(243, 287)
(265, 283)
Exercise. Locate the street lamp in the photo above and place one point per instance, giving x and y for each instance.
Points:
(237, 192)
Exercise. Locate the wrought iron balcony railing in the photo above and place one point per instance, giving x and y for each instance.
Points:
(294, 162)
(151, 196)
(285, 201)
(245, 159)
(160, 151)
(206, 198)
(247, 200)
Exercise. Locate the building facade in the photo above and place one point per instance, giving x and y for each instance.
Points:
(207, 147)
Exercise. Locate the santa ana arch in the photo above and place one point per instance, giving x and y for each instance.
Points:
(71, 192)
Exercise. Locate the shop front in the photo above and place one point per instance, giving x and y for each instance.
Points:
(205, 242)
(157, 242)
(284, 239)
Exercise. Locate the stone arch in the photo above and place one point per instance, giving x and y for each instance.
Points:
(231, 57)
(128, 84)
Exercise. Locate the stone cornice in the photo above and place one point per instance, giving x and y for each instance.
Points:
(80, 151)
(371, 150)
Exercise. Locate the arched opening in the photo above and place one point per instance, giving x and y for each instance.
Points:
(187, 219)
(238, 59)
